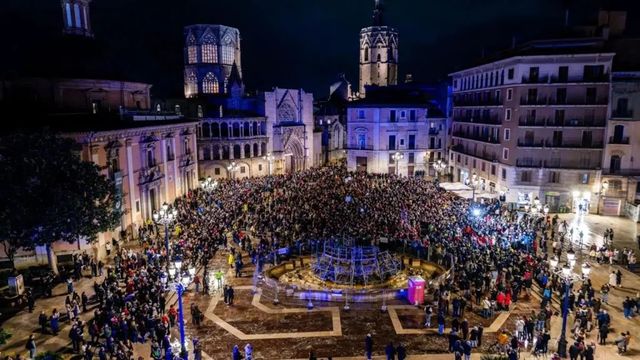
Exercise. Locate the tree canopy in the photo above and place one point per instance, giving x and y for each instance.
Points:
(48, 193)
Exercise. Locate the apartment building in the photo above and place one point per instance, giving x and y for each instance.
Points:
(531, 123)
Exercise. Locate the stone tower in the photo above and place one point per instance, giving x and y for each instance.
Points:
(211, 55)
(75, 17)
(378, 52)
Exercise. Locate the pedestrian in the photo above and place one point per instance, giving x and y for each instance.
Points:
(30, 300)
(390, 351)
(248, 352)
(368, 347)
(235, 353)
(31, 346)
(42, 320)
(619, 278)
(401, 352)
(55, 325)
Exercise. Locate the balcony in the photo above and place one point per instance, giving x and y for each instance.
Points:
(359, 147)
(622, 114)
(483, 138)
(619, 140)
(525, 143)
(479, 154)
(573, 145)
(434, 131)
(576, 123)
(535, 80)
(531, 122)
(577, 101)
(531, 101)
(568, 164)
(477, 102)
(581, 79)
(528, 163)
(489, 120)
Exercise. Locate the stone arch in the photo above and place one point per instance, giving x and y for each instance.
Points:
(255, 150)
(236, 129)
(294, 156)
(215, 130)
(237, 151)
(255, 128)
(224, 130)
(247, 151)
(246, 129)
(263, 149)
(206, 130)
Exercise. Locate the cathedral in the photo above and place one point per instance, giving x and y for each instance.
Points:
(378, 52)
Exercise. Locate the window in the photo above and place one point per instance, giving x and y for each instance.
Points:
(242, 169)
(525, 176)
(474, 164)
(510, 73)
(505, 154)
(150, 159)
(561, 96)
(534, 74)
(401, 142)
(504, 174)
(379, 58)
(392, 116)
(76, 9)
(411, 158)
(209, 53)
(192, 53)
(412, 115)
(67, 7)
(191, 86)
(169, 152)
(361, 114)
(554, 177)
(228, 54)
(563, 73)
(584, 178)
(216, 171)
(366, 53)
(412, 142)
(507, 134)
(507, 114)
(593, 72)
(210, 84)
(259, 167)
(493, 170)
(137, 205)
(509, 94)
(483, 166)
(187, 149)
(591, 95)
(392, 142)
(362, 141)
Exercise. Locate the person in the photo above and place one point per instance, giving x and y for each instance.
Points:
(612, 279)
(235, 353)
(30, 300)
(618, 278)
(31, 346)
(312, 355)
(248, 352)
(368, 347)
(627, 307)
(390, 351)
(196, 281)
(401, 352)
(603, 331)
(107, 247)
(42, 320)
(620, 341)
(574, 351)
(428, 313)
(627, 339)
(231, 295)
(55, 325)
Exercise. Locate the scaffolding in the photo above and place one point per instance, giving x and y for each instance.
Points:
(355, 265)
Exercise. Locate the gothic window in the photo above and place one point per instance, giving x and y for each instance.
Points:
(379, 59)
(192, 51)
(366, 53)
(392, 53)
(191, 85)
(76, 9)
(210, 84)
(246, 128)
(286, 113)
(215, 130)
(67, 8)
(209, 53)
(228, 54)
(247, 151)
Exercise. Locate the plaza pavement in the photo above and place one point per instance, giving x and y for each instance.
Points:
(625, 231)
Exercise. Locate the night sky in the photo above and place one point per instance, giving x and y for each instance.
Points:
(292, 43)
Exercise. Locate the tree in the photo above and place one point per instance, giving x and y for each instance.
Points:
(49, 194)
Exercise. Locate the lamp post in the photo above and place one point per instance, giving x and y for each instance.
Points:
(165, 216)
(209, 184)
(473, 183)
(440, 166)
(396, 159)
(568, 277)
(603, 190)
(232, 168)
(181, 281)
(269, 158)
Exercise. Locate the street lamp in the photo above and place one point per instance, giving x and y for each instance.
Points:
(269, 158)
(209, 184)
(473, 183)
(396, 158)
(568, 277)
(181, 281)
(440, 166)
(165, 216)
(232, 168)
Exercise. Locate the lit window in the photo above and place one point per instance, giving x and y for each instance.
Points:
(228, 54)
(209, 53)
(210, 84)
(191, 85)
(76, 9)
(192, 51)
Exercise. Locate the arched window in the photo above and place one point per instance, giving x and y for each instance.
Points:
(76, 10)
(246, 129)
(206, 131)
(191, 86)
(215, 130)
(210, 84)
(247, 151)
(263, 128)
(614, 164)
(209, 53)
(379, 58)
(237, 151)
(192, 53)
(255, 128)
(224, 130)
(206, 153)
(228, 51)
(236, 130)
(366, 53)
(67, 8)
(225, 152)
(255, 150)
(263, 149)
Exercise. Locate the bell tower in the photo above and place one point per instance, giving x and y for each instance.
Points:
(75, 16)
(378, 52)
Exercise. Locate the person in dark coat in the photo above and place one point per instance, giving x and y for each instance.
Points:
(401, 352)
(390, 351)
(368, 347)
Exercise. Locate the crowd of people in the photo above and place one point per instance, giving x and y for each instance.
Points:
(494, 257)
